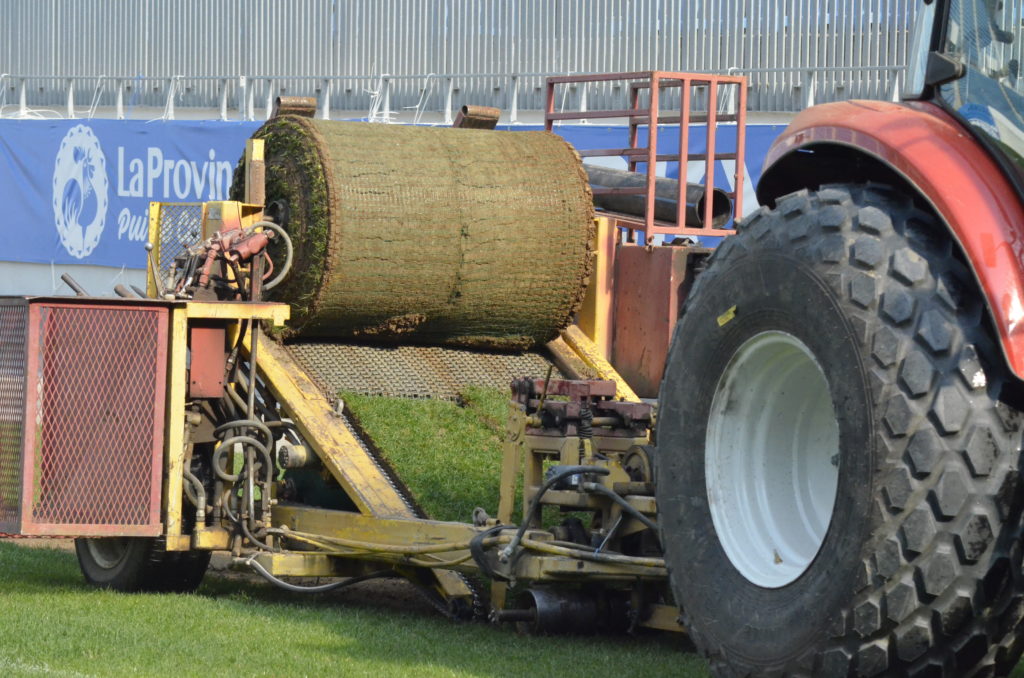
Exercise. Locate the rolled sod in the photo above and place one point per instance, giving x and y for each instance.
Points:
(426, 234)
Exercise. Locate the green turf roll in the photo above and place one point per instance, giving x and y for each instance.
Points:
(427, 234)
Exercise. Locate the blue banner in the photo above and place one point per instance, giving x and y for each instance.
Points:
(78, 191)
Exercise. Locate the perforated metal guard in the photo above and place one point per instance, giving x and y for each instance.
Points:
(13, 329)
(96, 397)
(180, 225)
(412, 371)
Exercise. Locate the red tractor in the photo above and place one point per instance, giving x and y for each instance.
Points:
(839, 439)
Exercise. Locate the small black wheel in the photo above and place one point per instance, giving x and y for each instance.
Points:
(838, 476)
(139, 564)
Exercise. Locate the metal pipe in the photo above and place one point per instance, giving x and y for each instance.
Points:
(251, 414)
(562, 611)
(154, 270)
(477, 117)
(242, 383)
(665, 196)
(290, 105)
(73, 284)
(254, 329)
(249, 498)
(526, 614)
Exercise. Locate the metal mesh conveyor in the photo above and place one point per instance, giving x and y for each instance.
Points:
(411, 371)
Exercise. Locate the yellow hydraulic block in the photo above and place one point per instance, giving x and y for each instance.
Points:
(174, 437)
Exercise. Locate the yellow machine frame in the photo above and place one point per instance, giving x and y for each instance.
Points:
(383, 529)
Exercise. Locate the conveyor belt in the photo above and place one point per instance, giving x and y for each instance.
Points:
(411, 371)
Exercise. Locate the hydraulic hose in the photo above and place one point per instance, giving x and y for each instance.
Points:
(289, 253)
(241, 381)
(236, 400)
(323, 588)
(476, 549)
(545, 547)
(244, 423)
(195, 492)
(247, 472)
(626, 506)
(223, 447)
(507, 552)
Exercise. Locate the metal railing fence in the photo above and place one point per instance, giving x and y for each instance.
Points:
(232, 55)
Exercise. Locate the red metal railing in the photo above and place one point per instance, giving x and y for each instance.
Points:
(652, 117)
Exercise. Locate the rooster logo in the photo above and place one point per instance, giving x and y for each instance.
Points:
(80, 191)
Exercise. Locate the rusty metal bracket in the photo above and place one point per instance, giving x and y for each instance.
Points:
(477, 117)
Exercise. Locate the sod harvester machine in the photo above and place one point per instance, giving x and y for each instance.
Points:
(832, 485)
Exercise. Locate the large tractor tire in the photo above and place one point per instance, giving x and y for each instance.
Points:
(139, 564)
(838, 477)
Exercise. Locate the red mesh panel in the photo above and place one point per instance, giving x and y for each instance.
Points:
(13, 326)
(101, 397)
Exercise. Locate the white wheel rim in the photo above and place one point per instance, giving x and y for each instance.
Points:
(107, 552)
(772, 459)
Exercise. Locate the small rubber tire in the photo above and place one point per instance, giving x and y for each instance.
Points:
(139, 564)
(919, 569)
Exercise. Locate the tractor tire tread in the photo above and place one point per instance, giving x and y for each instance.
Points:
(941, 590)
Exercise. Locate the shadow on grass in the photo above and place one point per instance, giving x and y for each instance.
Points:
(234, 624)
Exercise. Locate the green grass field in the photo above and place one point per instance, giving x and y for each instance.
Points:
(448, 454)
(53, 625)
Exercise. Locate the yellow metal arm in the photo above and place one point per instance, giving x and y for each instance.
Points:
(351, 465)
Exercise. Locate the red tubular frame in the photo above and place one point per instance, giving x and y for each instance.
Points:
(651, 117)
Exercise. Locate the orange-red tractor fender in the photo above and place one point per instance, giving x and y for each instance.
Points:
(919, 147)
